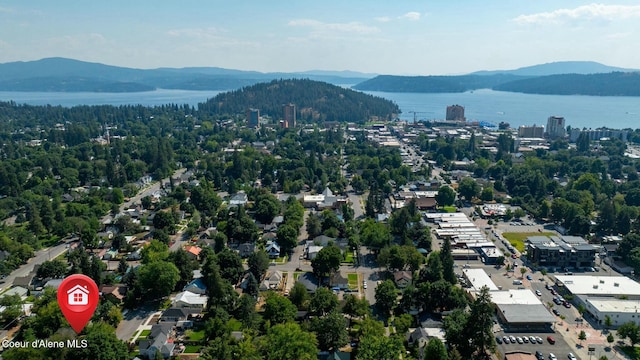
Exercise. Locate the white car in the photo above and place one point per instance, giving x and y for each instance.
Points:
(572, 357)
(364, 284)
(552, 357)
(538, 293)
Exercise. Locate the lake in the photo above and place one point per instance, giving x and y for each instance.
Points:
(615, 112)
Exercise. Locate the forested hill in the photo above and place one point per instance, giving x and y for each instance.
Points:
(434, 84)
(612, 84)
(609, 84)
(315, 101)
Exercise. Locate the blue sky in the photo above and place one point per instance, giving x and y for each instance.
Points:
(374, 36)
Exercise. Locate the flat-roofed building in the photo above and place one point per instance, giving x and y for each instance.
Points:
(478, 278)
(600, 286)
(620, 311)
(560, 252)
(521, 310)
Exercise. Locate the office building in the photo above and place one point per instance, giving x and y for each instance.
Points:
(560, 252)
(530, 131)
(289, 115)
(455, 112)
(555, 127)
(253, 118)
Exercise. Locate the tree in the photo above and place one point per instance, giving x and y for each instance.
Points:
(323, 302)
(374, 234)
(331, 331)
(608, 322)
(380, 348)
(487, 194)
(457, 334)
(523, 270)
(327, 261)
(258, 263)
(386, 297)
(278, 309)
(610, 338)
(267, 207)
(158, 279)
(435, 350)
(353, 306)
(446, 258)
(185, 265)
(446, 196)
(287, 237)
(314, 227)
(102, 344)
(402, 323)
(230, 265)
(288, 341)
(629, 330)
(52, 269)
(481, 322)
(163, 220)
(246, 311)
(468, 188)
(299, 296)
(582, 336)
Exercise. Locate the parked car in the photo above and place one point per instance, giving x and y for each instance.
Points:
(529, 277)
(552, 357)
(556, 312)
(525, 339)
(551, 340)
(572, 357)
(532, 339)
(538, 339)
(512, 339)
(538, 292)
(505, 339)
(498, 339)
(519, 340)
(539, 355)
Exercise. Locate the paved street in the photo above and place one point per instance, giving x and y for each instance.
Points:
(40, 257)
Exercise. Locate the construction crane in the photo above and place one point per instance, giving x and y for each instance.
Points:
(415, 114)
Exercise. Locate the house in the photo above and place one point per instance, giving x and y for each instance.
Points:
(309, 281)
(187, 299)
(246, 249)
(339, 281)
(17, 290)
(402, 279)
(312, 251)
(176, 314)
(159, 340)
(196, 286)
(275, 279)
(114, 293)
(420, 337)
(193, 251)
(239, 199)
(272, 249)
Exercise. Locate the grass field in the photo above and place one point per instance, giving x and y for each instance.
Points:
(517, 239)
(348, 258)
(353, 280)
(449, 209)
(195, 335)
(280, 260)
(144, 333)
(192, 349)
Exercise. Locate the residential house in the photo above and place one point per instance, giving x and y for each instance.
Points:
(193, 251)
(272, 249)
(159, 340)
(402, 279)
(420, 337)
(114, 293)
(196, 286)
(189, 300)
(275, 279)
(309, 281)
(312, 251)
(339, 281)
(239, 199)
(17, 290)
(176, 314)
(245, 249)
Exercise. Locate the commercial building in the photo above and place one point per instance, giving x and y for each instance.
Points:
(521, 310)
(619, 311)
(560, 252)
(455, 112)
(597, 134)
(555, 127)
(531, 131)
(478, 278)
(289, 115)
(253, 118)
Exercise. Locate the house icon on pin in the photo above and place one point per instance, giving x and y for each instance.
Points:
(78, 295)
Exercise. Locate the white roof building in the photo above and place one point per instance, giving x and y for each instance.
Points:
(479, 279)
(600, 286)
(187, 299)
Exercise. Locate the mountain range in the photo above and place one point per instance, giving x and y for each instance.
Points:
(69, 75)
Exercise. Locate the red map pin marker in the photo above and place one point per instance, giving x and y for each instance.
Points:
(78, 298)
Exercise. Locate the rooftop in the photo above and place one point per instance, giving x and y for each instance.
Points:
(478, 279)
(599, 285)
(614, 305)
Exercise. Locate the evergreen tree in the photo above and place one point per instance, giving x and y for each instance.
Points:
(446, 258)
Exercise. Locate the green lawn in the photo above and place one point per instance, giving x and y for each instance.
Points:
(144, 333)
(195, 335)
(449, 209)
(296, 275)
(517, 239)
(353, 280)
(280, 260)
(348, 258)
(192, 349)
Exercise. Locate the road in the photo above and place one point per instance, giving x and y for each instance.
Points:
(40, 257)
(132, 320)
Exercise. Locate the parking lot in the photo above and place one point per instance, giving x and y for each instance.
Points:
(560, 349)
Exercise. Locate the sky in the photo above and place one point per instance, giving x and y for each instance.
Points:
(399, 37)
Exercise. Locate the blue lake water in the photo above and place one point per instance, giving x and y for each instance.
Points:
(483, 105)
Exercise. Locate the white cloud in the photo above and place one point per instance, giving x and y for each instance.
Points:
(383, 19)
(411, 15)
(351, 27)
(582, 13)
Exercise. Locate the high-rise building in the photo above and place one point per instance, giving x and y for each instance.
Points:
(253, 118)
(289, 114)
(455, 112)
(530, 131)
(555, 127)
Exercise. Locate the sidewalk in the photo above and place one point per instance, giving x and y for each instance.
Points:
(595, 338)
